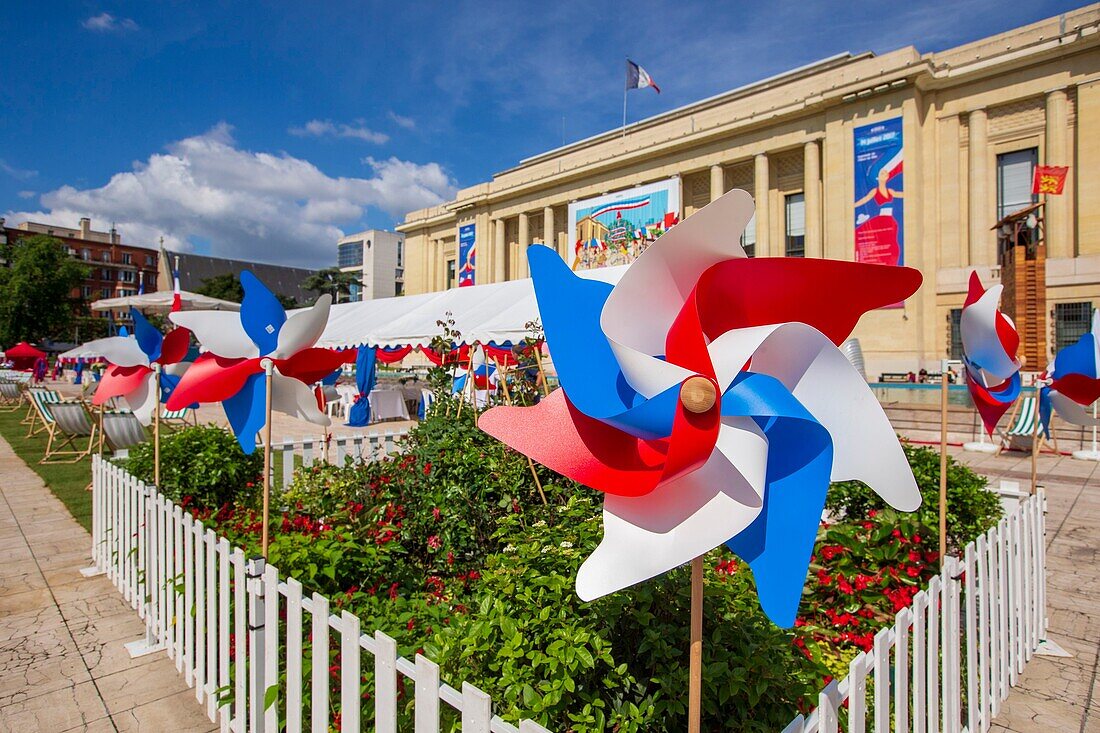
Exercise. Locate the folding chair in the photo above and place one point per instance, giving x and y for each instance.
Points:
(71, 422)
(11, 397)
(1021, 428)
(176, 419)
(38, 409)
(122, 430)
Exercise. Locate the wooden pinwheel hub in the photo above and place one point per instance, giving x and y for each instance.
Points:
(698, 394)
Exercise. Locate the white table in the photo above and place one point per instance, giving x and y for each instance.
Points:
(387, 404)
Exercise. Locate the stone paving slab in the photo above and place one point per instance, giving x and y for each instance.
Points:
(62, 662)
(1056, 693)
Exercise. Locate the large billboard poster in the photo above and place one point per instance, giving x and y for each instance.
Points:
(879, 193)
(616, 228)
(467, 255)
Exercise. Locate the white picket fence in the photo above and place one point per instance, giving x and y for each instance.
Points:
(217, 614)
(949, 660)
(306, 451)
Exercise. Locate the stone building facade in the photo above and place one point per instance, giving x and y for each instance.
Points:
(970, 116)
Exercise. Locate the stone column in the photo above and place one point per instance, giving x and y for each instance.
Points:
(548, 237)
(811, 189)
(717, 181)
(432, 267)
(500, 252)
(524, 243)
(978, 193)
(1059, 239)
(761, 195)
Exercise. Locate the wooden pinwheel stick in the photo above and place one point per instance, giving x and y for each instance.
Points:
(503, 378)
(695, 654)
(697, 394)
(944, 366)
(156, 425)
(1035, 440)
(269, 367)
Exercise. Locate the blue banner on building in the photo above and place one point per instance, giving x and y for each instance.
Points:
(879, 193)
(467, 255)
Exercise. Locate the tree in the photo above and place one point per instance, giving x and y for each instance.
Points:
(228, 286)
(333, 281)
(36, 289)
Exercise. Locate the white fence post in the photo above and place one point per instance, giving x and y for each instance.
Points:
(349, 673)
(257, 689)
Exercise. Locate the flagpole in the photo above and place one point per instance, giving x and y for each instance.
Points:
(624, 105)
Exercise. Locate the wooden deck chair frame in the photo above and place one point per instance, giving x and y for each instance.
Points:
(178, 419)
(71, 423)
(1007, 437)
(38, 410)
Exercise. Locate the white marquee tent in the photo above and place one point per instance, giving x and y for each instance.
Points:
(494, 313)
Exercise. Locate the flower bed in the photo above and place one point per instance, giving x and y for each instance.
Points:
(450, 549)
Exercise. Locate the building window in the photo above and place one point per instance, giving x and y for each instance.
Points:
(400, 252)
(796, 225)
(1014, 174)
(126, 258)
(105, 292)
(126, 276)
(148, 260)
(85, 254)
(106, 257)
(1071, 322)
(349, 254)
(955, 348)
(85, 291)
(748, 237)
(452, 273)
(398, 288)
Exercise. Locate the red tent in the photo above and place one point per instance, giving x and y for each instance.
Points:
(23, 355)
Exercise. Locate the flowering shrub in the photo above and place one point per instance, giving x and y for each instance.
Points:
(204, 463)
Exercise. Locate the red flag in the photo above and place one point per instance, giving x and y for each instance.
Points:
(1049, 179)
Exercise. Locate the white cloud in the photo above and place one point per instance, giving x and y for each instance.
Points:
(107, 23)
(327, 128)
(248, 205)
(401, 121)
(26, 194)
(18, 174)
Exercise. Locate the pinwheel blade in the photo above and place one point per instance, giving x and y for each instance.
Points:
(262, 316)
(118, 381)
(119, 350)
(147, 335)
(142, 400)
(302, 329)
(175, 346)
(246, 411)
(218, 332)
(291, 397)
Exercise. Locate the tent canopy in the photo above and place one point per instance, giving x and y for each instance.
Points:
(162, 301)
(23, 350)
(494, 313)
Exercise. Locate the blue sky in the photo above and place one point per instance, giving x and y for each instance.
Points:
(264, 130)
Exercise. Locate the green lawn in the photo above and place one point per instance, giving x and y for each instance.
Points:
(68, 481)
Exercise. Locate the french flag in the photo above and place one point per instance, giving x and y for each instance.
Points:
(639, 78)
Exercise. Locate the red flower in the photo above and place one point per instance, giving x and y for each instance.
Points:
(872, 513)
(916, 538)
(434, 543)
(435, 513)
(914, 556)
(450, 558)
(912, 571)
(393, 592)
(411, 624)
(844, 586)
(427, 468)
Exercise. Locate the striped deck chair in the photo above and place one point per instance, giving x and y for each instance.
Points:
(38, 412)
(122, 430)
(1021, 428)
(71, 423)
(11, 396)
(176, 419)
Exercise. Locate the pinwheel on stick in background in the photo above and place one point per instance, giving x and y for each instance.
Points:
(989, 343)
(705, 395)
(257, 361)
(1072, 381)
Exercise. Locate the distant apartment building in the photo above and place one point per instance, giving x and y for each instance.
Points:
(378, 257)
(115, 269)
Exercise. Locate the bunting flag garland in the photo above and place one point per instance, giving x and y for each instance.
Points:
(1072, 381)
(707, 398)
(129, 374)
(231, 370)
(989, 342)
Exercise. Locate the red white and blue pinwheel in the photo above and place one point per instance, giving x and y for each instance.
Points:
(236, 345)
(1072, 381)
(705, 395)
(989, 342)
(129, 375)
